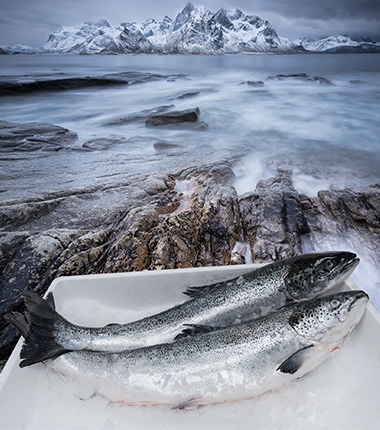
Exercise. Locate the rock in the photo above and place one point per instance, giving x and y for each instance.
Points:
(195, 126)
(162, 145)
(34, 136)
(63, 84)
(357, 82)
(139, 116)
(346, 217)
(279, 222)
(188, 95)
(255, 83)
(83, 254)
(103, 143)
(174, 117)
(272, 219)
(53, 83)
(301, 77)
(15, 216)
(165, 234)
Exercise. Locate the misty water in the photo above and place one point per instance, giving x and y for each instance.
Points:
(328, 135)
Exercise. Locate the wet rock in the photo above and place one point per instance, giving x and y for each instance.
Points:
(301, 77)
(165, 234)
(15, 216)
(64, 84)
(188, 95)
(195, 126)
(279, 222)
(273, 220)
(349, 218)
(255, 83)
(102, 143)
(162, 145)
(174, 117)
(35, 136)
(83, 255)
(139, 116)
(53, 83)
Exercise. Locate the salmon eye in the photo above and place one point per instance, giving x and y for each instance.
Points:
(329, 264)
(334, 303)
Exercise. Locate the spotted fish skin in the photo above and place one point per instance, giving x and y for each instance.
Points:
(246, 297)
(233, 363)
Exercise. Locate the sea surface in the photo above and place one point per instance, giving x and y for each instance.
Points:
(328, 135)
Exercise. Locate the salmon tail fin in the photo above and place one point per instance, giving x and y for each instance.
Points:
(19, 322)
(38, 329)
(50, 300)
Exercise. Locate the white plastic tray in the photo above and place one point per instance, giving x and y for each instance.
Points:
(340, 394)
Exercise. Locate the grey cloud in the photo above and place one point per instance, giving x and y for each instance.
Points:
(321, 9)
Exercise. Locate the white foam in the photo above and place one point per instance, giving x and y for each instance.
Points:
(310, 185)
(185, 188)
(249, 171)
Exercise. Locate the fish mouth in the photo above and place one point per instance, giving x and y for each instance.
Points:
(356, 308)
(349, 262)
(360, 296)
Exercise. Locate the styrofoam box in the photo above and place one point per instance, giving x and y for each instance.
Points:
(342, 393)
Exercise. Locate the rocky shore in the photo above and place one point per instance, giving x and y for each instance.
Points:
(187, 218)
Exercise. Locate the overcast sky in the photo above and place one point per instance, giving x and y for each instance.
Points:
(30, 22)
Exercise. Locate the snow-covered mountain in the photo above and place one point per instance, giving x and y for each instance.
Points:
(198, 30)
(195, 30)
(339, 43)
(97, 38)
(20, 49)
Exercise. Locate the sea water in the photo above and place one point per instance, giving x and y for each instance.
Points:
(327, 135)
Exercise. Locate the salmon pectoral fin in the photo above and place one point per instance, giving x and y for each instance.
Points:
(194, 330)
(187, 404)
(295, 361)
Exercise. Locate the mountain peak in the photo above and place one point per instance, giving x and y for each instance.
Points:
(189, 7)
(183, 16)
(100, 23)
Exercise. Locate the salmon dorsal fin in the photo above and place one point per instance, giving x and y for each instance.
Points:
(194, 292)
(295, 361)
